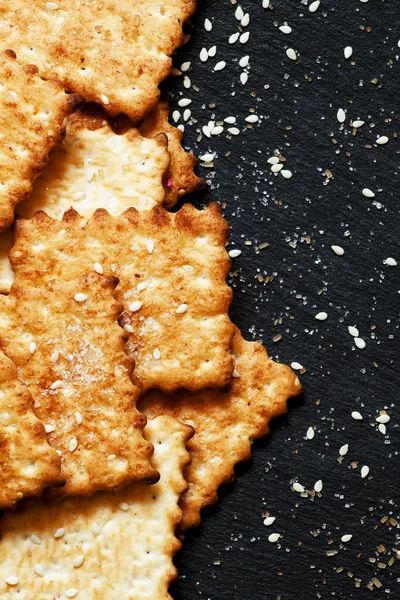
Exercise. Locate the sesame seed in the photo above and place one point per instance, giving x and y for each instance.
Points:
(39, 570)
(54, 357)
(175, 72)
(290, 53)
(176, 115)
(149, 246)
(217, 130)
(128, 328)
(220, 65)
(346, 538)
(310, 433)
(235, 373)
(51, 6)
(32, 347)
(187, 114)
(182, 308)
(183, 102)
(251, 119)
(59, 533)
(89, 175)
(78, 561)
(234, 253)
(207, 25)
(244, 38)
(203, 55)
(338, 250)
(142, 286)
(383, 139)
(318, 485)
(348, 51)
(49, 428)
(275, 168)
(96, 529)
(104, 99)
(382, 428)
(12, 580)
(321, 316)
(353, 331)
(244, 61)
(135, 306)
(357, 416)
(296, 366)
(286, 29)
(358, 124)
(212, 51)
(186, 82)
(244, 78)
(314, 6)
(273, 160)
(246, 20)
(56, 384)
(71, 593)
(233, 130)
(286, 174)
(364, 471)
(207, 157)
(185, 66)
(124, 506)
(390, 262)
(265, 3)
(341, 115)
(360, 343)
(383, 418)
(73, 445)
(78, 418)
(368, 193)
(156, 354)
(80, 297)
(35, 539)
(297, 487)
(343, 450)
(111, 457)
(273, 537)
(239, 14)
(230, 120)
(269, 521)
(233, 38)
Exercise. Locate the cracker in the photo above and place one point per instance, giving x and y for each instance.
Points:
(115, 53)
(32, 113)
(69, 351)
(6, 270)
(27, 463)
(226, 423)
(180, 178)
(124, 543)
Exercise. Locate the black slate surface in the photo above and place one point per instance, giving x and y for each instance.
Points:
(297, 102)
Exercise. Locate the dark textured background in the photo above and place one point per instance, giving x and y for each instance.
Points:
(356, 288)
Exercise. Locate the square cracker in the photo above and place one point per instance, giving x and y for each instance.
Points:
(27, 463)
(32, 113)
(115, 52)
(225, 423)
(117, 546)
(59, 326)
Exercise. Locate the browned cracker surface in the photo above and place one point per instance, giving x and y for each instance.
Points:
(59, 326)
(115, 52)
(32, 113)
(108, 547)
(225, 423)
(27, 463)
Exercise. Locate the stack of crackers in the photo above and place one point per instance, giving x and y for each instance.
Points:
(127, 395)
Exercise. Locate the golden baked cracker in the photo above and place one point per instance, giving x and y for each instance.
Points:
(225, 423)
(109, 546)
(27, 463)
(32, 113)
(180, 178)
(59, 326)
(6, 270)
(115, 53)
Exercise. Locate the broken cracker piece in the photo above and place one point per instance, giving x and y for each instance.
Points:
(109, 546)
(114, 53)
(27, 463)
(225, 423)
(59, 326)
(32, 113)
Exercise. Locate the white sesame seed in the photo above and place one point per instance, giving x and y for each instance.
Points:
(217, 130)
(360, 343)
(357, 416)
(32, 347)
(348, 51)
(358, 124)
(352, 329)
(56, 384)
(207, 157)
(186, 82)
(149, 246)
(233, 38)
(310, 433)
(297, 487)
(368, 193)
(382, 428)
(181, 127)
(234, 130)
(51, 6)
(314, 6)
(246, 20)
(124, 506)
(383, 139)
(39, 570)
(71, 593)
(244, 38)
(251, 119)
(135, 306)
(207, 25)
(54, 357)
(230, 120)
(104, 99)
(220, 65)
(49, 428)
(273, 537)
(244, 61)
(337, 250)
(73, 445)
(183, 102)
(156, 354)
(265, 3)
(12, 580)
(78, 418)
(239, 14)
(78, 561)
(234, 253)
(321, 316)
(35, 539)
(273, 160)
(212, 51)
(291, 53)
(187, 114)
(235, 373)
(276, 167)
(383, 418)
(185, 66)
(318, 485)
(59, 533)
(80, 297)
(346, 538)
(343, 450)
(176, 115)
(269, 521)
(142, 286)
(296, 366)
(206, 131)
(128, 328)
(203, 55)
(341, 115)
(244, 77)
(89, 175)
(364, 471)
(111, 457)
(96, 529)
(286, 174)
(182, 308)
(286, 29)
(390, 262)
